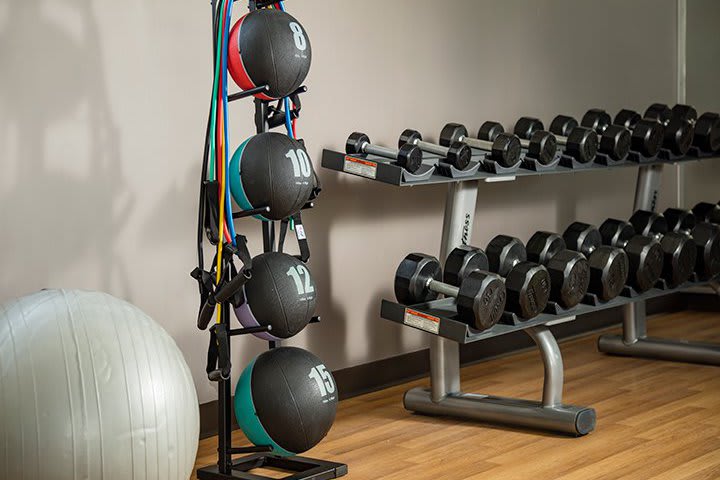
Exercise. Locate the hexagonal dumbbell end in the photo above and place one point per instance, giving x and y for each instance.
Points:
(459, 155)
(528, 289)
(659, 112)
(645, 255)
(708, 212)
(542, 246)
(462, 261)
(504, 252)
(609, 268)
(409, 136)
(627, 118)
(413, 276)
(543, 147)
(615, 142)
(451, 133)
(410, 157)
(596, 119)
(647, 137)
(489, 131)
(686, 112)
(679, 220)
(526, 126)
(355, 143)
(707, 241)
(707, 133)
(582, 144)
(482, 298)
(506, 150)
(583, 238)
(562, 125)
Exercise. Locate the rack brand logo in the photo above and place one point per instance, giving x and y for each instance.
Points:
(466, 230)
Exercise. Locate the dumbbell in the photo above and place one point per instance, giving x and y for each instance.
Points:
(457, 154)
(707, 212)
(678, 133)
(679, 250)
(527, 283)
(647, 134)
(480, 296)
(706, 236)
(569, 271)
(613, 140)
(609, 266)
(409, 157)
(504, 148)
(645, 254)
(581, 143)
(540, 145)
(707, 127)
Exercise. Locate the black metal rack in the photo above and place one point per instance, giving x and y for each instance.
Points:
(439, 318)
(227, 467)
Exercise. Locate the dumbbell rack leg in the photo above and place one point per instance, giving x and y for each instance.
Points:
(445, 396)
(634, 340)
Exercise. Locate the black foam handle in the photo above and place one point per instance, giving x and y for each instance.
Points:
(206, 313)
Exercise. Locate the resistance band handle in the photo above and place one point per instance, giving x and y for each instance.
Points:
(228, 291)
(219, 354)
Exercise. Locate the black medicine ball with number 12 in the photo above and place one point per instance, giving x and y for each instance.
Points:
(269, 47)
(271, 170)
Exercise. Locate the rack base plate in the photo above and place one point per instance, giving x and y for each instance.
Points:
(300, 468)
(663, 349)
(568, 419)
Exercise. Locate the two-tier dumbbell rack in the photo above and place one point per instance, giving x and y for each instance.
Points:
(256, 457)
(438, 318)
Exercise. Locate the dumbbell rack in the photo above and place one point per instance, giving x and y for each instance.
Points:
(439, 318)
(257, 457)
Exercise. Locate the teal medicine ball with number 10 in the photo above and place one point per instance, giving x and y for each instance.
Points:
(286, 399)
(273, 170)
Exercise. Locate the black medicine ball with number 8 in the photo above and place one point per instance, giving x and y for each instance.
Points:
(281, 294)
(271, 170)
(269, 47)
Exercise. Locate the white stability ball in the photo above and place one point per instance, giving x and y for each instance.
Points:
(91, 388)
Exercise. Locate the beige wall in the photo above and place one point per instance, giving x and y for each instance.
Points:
(703, 90)
(102, 112)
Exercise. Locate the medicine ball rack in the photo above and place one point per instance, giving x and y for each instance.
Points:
(438, 318)
(219, 357)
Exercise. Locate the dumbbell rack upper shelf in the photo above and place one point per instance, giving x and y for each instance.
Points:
(383, 170)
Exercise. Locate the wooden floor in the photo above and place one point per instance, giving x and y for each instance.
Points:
(656, 420)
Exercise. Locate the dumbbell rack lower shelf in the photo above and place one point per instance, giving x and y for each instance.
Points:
(445, 396)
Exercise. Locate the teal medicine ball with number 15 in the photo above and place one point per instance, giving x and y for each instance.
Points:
(271, 170)
(286, 399)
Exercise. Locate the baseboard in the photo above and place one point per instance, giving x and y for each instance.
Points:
(373, 376)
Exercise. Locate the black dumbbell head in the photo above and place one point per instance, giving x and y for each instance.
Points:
(582, 237)
(647, 137)
(685, 112)
(526, 126)
(409, 136)
(707, 241)
(582, 144)
(569, 278)
(680, 257)
(410, 157)
(489, 131)
(645, 255)
(707, 133)
(542, 246)
(679, 220)
(678, 135)
(452, 132)
(648, 223)
(562, 125)
(461, 262)
(707, 212)
(609, 268)
(615, 142)
(481, 299)
(659, 112)
(616, 233)
(459, 155)
(597, 120)
(528, 289)
(355, 142)
(412, 278)
(627, 118)
(506, 150)
(504, 252)
(543, 147)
